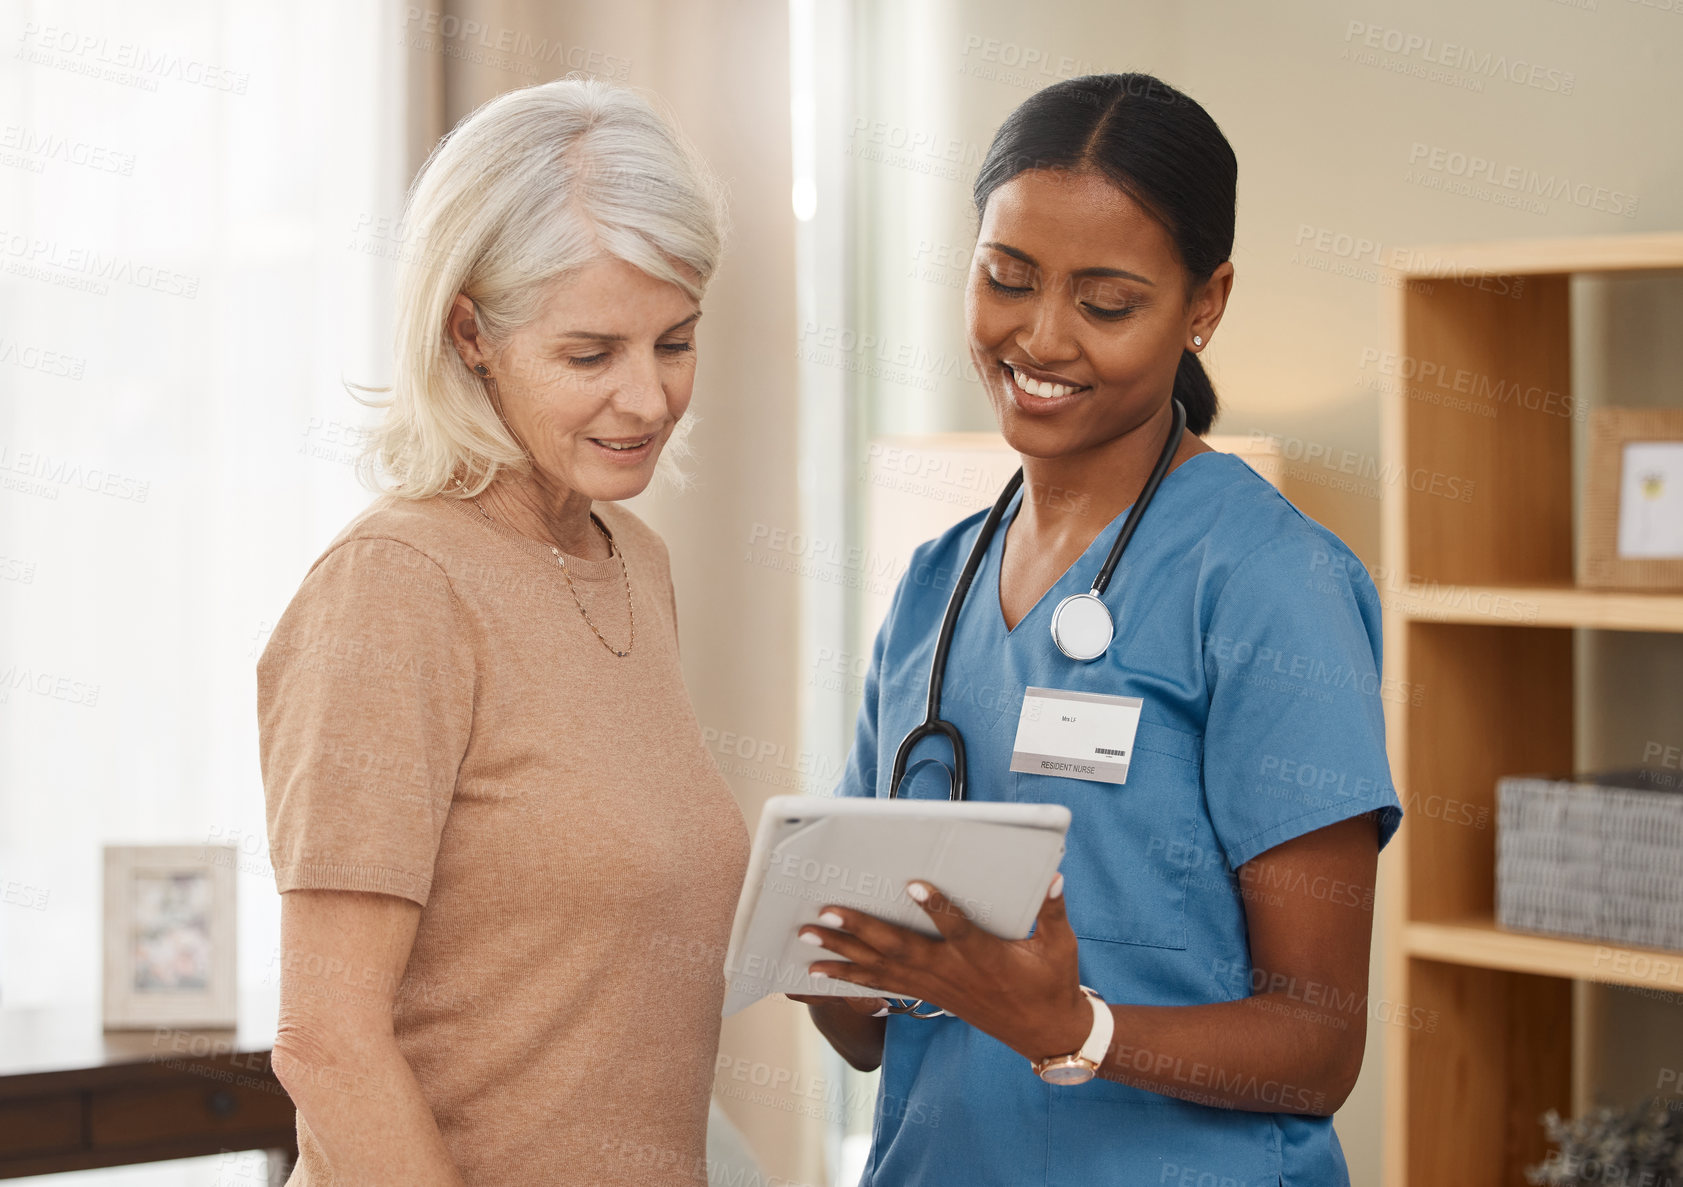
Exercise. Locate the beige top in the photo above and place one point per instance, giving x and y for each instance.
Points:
(438, 722)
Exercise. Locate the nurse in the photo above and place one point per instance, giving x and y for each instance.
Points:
(1216, 899)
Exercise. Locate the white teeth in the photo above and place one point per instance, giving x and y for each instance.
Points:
(633, 445)
(1034, 387)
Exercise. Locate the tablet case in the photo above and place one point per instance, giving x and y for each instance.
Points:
(994, 860)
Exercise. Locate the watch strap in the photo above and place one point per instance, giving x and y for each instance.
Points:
(1097, 1045)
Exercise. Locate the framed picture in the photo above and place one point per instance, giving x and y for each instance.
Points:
(169, 936)
(1631, 533)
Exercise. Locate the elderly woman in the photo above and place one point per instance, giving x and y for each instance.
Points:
(489, 805)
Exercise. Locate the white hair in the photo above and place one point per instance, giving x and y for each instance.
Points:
(536, 183)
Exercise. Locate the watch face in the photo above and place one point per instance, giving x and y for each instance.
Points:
(1067, 1073)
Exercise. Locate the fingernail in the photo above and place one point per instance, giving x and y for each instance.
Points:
(811, 937)
(918, 891)
(818, 975)
(830, 919)
(882, 1013)
(1057, 890)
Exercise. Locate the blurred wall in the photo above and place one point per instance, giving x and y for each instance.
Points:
(1347, 155)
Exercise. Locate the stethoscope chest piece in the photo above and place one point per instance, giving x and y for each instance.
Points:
(1082, 627)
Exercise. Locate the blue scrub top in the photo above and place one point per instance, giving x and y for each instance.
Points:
(1251, 634)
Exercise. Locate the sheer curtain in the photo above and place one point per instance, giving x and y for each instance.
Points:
(198, 210)
(215, 190)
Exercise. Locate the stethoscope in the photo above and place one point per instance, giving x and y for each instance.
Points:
(1082, 628)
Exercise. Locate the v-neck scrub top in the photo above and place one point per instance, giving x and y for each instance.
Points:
(1251, 635)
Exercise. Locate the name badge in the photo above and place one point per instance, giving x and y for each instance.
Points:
(1076, 735)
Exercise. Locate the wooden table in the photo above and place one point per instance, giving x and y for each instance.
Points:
(73, 1097)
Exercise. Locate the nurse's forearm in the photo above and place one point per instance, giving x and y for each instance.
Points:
(1297, 1051)
(1269, 1053)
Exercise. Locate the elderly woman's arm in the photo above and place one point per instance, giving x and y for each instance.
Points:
(342, 955)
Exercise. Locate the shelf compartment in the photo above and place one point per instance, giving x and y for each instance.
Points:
(1495, 1054)
(1487, 433)
(1485, 701)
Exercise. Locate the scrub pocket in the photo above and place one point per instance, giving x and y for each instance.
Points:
(1125, 865)
(1100, 1139)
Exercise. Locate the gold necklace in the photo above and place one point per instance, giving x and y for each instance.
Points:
(613, 550)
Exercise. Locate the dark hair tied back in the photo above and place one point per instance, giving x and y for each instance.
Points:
(1155, 144)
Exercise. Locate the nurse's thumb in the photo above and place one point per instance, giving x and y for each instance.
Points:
(1053, 921)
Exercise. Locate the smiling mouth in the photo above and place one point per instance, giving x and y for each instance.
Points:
(623, 445)
(1040, 389)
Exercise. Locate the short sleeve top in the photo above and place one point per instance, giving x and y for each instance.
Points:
(439, 721)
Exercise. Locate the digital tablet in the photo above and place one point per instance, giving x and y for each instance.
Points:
(996, 861)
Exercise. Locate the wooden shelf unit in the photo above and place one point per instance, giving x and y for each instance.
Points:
(1480, 609)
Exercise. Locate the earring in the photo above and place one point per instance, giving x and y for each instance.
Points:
(482, 369)
(1197, 340)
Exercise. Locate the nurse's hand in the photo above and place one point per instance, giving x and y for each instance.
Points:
(1025, 993)
(854, 1025)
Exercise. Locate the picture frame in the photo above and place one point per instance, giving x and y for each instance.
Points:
(1630, 533)
(170, 956)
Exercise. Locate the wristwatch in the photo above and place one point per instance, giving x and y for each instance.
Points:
(1084, 1064)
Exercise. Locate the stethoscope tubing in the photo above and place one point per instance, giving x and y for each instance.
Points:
(1147, 493)
(932, 722)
